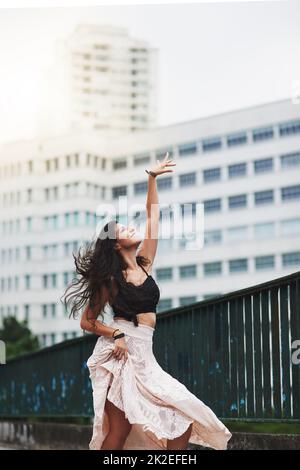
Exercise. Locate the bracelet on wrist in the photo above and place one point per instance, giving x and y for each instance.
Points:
(120, 335)
(151, 173)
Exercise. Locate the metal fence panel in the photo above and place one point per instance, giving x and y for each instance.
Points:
(233, 352)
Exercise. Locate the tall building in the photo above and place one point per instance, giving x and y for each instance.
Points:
(103, 80)
(243, 166)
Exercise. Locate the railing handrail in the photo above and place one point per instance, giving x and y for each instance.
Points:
(54, 347)
(234, 294)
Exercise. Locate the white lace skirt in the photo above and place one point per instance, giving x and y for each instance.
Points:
(158, 406)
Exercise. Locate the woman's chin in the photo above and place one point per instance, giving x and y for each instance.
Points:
(138, 237)
(137, 240)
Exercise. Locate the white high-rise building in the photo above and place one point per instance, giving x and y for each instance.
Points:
(103, 80)
(244, 166)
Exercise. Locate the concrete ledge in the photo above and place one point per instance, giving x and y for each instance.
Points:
(57, 436)
(53, 436)
(261, 441)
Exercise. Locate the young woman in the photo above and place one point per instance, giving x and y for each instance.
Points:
(137, 404)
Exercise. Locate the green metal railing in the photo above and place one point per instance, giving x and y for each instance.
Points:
(234, 352)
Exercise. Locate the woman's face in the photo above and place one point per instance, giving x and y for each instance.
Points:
(127, 236)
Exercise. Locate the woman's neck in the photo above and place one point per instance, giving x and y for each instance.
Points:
(130, 259)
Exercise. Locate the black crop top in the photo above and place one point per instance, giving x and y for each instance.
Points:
(131, 299)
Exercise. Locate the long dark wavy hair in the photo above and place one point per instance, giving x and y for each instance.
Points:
(99, 268)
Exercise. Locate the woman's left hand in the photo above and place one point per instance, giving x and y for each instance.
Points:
(164, 166)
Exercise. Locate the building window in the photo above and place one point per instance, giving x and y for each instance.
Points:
(76, 218)
(30, 166)
(263, 133)
(164, 304)
(118, 164)
(237, 170)
(166, 213)
(53, 280)
(49, 280)
(140, 217)
(28, 252)
(119, 191)
(53, 310)
(264, 262)
(44, 308)
(213, 268)
(263, 165)
(291, 259)
(263, 197)
(188, 271)
(212, 205)
(209, 145)
(187, 149)
(66, 278)
(264, 230)
(141, 159)
(166, 244)
(68, 161)
(235, 234)
(290, 160)
(77, 160)
(29, 195)
(237, 139)
(290, 192)
(191, 299)
(29, 224)
(164, 183)
(27, 281)
(88, 159)
(89, 218)
(164, 274)
(188, 209)
(289, 128)
(141, 188)
(187, 179)
(212, 237)
(212, 174)
(162, 153)
(236, 202)
(238, 265)
(290, 227)
(26, 312)
(67, 219)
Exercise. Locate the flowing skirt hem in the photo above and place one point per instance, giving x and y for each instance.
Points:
(159, 407)
(217, 440)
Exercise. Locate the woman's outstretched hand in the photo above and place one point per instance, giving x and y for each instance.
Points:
(163, 166)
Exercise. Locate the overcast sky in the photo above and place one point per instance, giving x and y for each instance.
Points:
(214, 57)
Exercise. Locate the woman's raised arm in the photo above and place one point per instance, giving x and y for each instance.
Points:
(149, 244)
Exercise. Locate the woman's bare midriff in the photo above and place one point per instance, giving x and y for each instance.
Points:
(144, 319)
